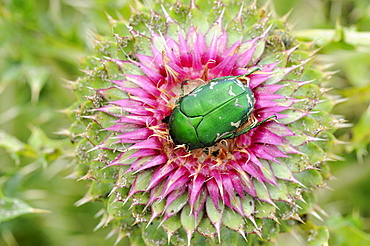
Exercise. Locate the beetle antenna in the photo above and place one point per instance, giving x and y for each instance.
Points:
(183, 84)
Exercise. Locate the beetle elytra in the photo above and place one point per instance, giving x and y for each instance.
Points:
(214, 111)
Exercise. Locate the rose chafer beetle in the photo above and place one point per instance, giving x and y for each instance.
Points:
(213, 111)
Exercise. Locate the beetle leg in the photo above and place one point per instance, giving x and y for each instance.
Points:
(256, 69)
(254, 124)
(182, 85)
(245, 76)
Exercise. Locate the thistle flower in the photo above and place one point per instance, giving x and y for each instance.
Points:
(259, 182)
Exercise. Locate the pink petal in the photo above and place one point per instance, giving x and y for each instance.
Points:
(174, 184)
(137, 92)
(244, 58)
(237, 182)
(257, 78)
(156, 161)
(279, 129)
(186, 58)
(217, 177)
(196, 187)
(159, 175)
(225, 67)
(148, 61)
(173, 196)
(214, 192)
(201, 46)
(147, 82)
(136, 119)
(179, 178)
(172, 50)
(140, 134)
(267, 137)
(199, 203)
(151, 143)
(268, 152)
(170, 213)
(130, 106)
(122, 128)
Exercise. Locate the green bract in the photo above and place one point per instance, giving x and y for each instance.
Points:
(214, 111)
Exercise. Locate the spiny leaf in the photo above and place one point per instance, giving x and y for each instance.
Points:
(11, 208)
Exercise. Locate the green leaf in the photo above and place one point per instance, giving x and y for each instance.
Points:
(11, 208)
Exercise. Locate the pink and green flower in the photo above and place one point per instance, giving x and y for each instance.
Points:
(259, 183)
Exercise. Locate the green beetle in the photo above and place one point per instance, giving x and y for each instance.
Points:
(212, 112)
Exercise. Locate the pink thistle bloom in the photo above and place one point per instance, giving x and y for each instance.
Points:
(247, 183)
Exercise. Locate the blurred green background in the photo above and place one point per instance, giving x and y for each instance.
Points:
(41, 43)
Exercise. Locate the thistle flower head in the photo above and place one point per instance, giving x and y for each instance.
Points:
(253, 183)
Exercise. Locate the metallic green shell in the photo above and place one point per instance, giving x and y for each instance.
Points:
(211, 112)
